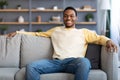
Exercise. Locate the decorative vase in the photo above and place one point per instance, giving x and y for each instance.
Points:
(90, 19)
(39, 18)
(4, 7)
(19, 7)
(20, 19)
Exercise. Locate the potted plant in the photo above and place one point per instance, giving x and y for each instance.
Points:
(38, 30)
(89, 17)
(3, 4)
(3, 29)
(19, 7)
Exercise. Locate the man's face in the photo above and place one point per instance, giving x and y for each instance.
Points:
(69, 18)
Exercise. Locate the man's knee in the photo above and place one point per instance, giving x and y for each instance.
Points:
(84, 62)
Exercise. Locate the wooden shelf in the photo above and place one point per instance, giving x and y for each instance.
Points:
(47, 22)
(60, 10)
(62, 22)
(47, 10)
(14, 23)
(14, 10)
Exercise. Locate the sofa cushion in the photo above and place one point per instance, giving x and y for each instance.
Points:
(94, 55)
(93, 75)
(20, 75)
(8, 73)
(35, 48)
(9, 51)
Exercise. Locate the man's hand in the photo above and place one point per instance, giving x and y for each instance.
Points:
(11, 34)
(111, 47)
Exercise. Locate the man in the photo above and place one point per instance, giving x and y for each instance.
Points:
(70, 46)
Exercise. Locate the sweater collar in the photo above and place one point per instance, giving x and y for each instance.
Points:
(69, 28)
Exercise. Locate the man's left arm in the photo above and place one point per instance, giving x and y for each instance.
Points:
(92, 37)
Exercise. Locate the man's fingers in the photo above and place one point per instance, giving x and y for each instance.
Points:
(11, 35)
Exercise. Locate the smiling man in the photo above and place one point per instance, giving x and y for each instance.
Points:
(69, 17)
(70, 46)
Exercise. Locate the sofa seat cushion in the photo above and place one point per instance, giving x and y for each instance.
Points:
(97, 74)
(8, 73)
(93, 75)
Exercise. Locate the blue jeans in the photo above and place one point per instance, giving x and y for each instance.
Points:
(78, 66)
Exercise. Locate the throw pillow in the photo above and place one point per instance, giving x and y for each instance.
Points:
(94, 55)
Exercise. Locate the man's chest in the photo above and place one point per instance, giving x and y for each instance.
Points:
(68, 37)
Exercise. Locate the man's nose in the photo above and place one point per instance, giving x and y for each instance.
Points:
(68, 17)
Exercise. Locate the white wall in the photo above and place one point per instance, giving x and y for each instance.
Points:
(115, 22)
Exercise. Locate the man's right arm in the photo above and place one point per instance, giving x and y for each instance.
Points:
(44, 34)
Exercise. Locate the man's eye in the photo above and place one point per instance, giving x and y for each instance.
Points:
(72, 16)
(65, 16)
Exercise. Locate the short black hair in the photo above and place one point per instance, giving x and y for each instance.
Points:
(72, 8)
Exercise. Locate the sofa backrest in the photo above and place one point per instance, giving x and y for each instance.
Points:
(10, 51)
(36, 48)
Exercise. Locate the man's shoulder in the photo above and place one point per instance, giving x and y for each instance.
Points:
(84, 29)
(88, 30)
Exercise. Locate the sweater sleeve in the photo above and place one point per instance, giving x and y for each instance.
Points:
(44, 34)
(92, 37)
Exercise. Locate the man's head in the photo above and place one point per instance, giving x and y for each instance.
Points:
(69, 17)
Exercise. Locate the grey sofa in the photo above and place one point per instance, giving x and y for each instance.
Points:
(20, 50)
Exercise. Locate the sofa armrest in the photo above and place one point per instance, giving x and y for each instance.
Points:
(109, 64)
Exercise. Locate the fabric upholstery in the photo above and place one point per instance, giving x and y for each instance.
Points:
(67, 76)
(109, 64)
(93, 75)
(9, 51)
(20, 75)
(34, 48)
(94, 55)
(8, 73)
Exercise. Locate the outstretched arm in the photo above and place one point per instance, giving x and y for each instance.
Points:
(45, 34)
(92, 37)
